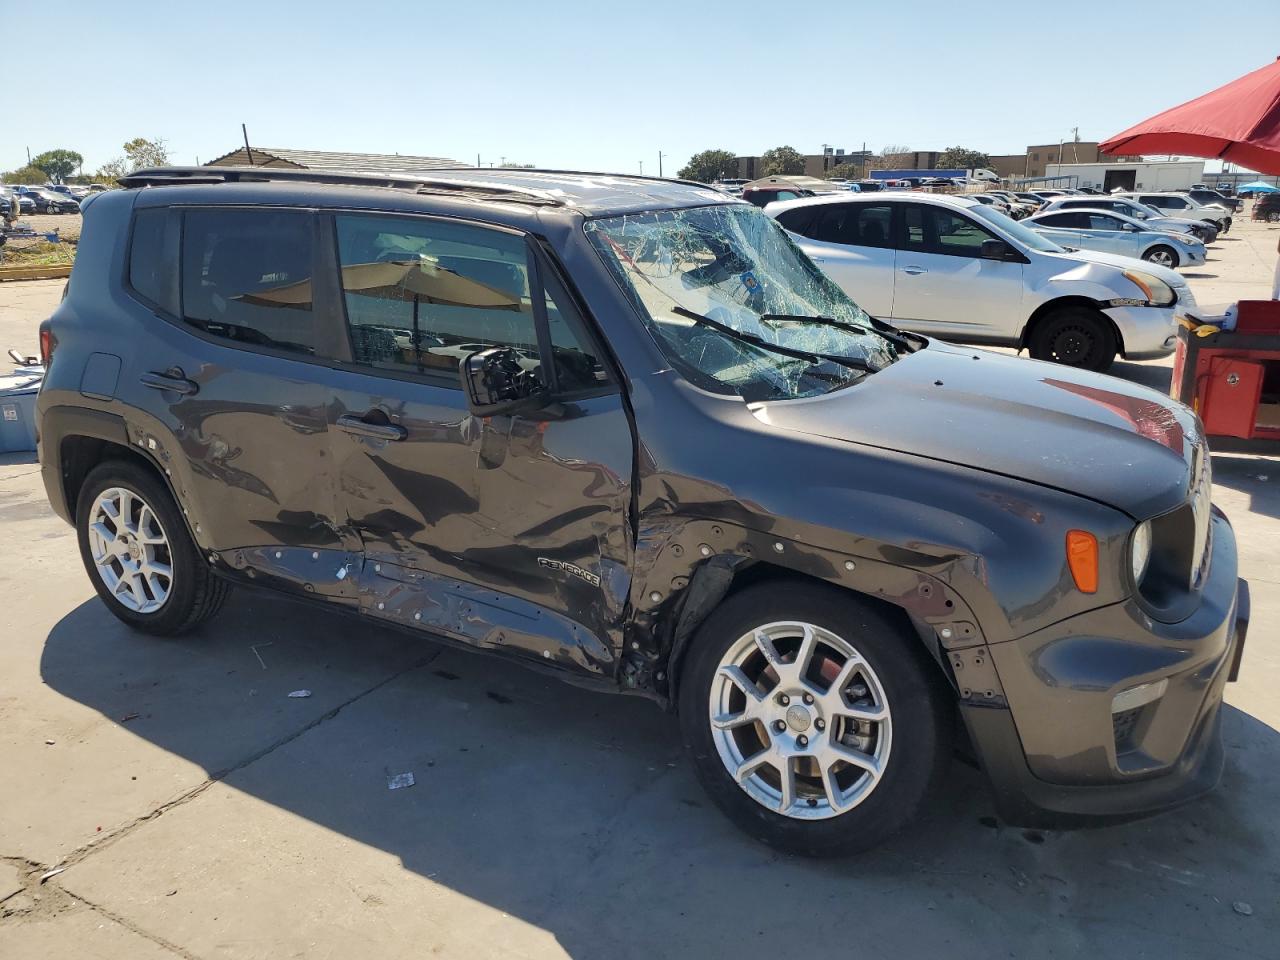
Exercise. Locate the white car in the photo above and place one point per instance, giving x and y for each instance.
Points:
(1110, 232)
(956, 269)
(1173, 204)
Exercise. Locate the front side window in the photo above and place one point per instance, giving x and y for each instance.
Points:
(936, 229)
(246, 276)
(1100, 221)
(691, 271)
(1060, 221)
(421, 295)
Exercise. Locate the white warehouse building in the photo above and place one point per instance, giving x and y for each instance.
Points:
(1144, 175)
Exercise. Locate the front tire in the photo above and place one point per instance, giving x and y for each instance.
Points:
(1074, 337)
(139, 554)
(1162, 256)
(813, 718)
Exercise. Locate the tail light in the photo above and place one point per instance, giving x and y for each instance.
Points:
(48, 342)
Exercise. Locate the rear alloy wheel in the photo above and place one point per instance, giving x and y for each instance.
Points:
(1162, 256)
(51, 209)
(813, 719)
(139, 554)
(1074, 337)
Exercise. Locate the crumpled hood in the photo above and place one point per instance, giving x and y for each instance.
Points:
(1171, 277)
(1084, 433)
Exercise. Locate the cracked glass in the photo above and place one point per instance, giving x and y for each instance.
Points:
(735, 267)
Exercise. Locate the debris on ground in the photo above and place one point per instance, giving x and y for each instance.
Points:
(128, 716)
(400, 780)
(299, 694)
(51, 874)
(1242, 908)
(49, 743)
(1259, 476)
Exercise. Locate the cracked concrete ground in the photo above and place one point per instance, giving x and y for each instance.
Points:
(195, 810)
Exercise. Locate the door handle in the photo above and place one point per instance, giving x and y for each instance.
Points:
(378, 431)
(172, 379)
(914, 271)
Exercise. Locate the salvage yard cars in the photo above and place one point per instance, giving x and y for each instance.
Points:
(624, 430)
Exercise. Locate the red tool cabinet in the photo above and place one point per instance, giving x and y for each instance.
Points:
(1232, 379)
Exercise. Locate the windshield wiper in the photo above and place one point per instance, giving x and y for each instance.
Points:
(899, 338)
(750, 338)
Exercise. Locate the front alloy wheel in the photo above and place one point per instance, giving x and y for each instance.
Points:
(814, 718)
(801, 720)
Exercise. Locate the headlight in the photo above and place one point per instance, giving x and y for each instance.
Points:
(1158, 293)
(1140, 551)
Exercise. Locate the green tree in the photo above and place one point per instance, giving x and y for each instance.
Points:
(28, 175)
(846, 171)
(962, 158)
(781, 161)
(58, 164)
(111, 171)
(709, 166)
(142, 153)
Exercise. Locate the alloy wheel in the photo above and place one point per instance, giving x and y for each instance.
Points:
(1161, 258)
(800, 720)
(130, 550)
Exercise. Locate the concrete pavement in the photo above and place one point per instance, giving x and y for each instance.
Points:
(199, 811)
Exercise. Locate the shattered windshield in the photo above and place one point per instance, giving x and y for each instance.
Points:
(735, 305)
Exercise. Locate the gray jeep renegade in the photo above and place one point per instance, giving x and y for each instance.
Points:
(624, 430)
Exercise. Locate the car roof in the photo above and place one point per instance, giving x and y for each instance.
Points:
(1109, 213)
(940, 199)
(592, 194)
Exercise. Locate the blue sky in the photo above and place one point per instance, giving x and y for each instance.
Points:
(605, 85)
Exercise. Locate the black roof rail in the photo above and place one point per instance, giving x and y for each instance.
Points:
(480, 188)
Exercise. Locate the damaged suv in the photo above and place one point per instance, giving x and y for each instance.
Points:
(623, 429)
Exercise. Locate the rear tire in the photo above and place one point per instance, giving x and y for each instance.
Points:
(1074, 337)
(851, 781)
(1162, 256)
(139, 554)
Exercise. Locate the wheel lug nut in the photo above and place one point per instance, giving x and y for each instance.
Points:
(820, 724)
(783, 699)
(779, 725)
(808, 698)
(802, 740)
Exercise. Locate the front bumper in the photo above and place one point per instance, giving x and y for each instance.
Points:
(1058, 754)
(1147, 333)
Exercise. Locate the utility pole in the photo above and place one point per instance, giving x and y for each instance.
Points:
(642, 168)
(659, 163)
(477, 159)
(502, 161)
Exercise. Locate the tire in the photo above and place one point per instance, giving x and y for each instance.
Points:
(1074, 337)
(142, 596)
(1273, 216)
(1162, 256)
(50, 209)
(911, 743)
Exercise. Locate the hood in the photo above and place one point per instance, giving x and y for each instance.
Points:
(1084, 433)
(1171, 277)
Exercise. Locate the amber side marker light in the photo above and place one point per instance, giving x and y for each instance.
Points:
(1082, 558)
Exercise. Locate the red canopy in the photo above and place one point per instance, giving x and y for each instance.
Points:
(1239, 123)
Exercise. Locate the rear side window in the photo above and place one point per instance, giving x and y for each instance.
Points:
(858, 224)
(246, 277)
(149, 272)
(797, 220)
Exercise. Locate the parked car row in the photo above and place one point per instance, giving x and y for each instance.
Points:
(49, 198)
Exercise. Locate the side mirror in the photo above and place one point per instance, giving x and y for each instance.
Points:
(1130, 228)
(495, 382)
(993, 250)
